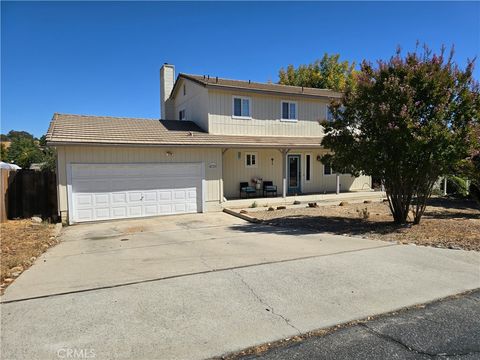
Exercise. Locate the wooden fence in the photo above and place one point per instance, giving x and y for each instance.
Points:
(27, 193)
(4, 174)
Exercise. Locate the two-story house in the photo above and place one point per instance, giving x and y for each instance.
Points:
(214, 135)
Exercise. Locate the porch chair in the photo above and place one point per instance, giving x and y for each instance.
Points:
(247, 189)
(268, 187)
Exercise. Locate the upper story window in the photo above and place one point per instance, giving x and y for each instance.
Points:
(289, 110)
(184, 90)
(241, 107)
(329, 115)
(182, 115)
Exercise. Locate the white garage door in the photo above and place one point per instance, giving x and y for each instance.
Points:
(115, 191)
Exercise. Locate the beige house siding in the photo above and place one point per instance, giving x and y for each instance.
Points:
(194, 102)
(266, 115)
(235, 171)
(110, 154)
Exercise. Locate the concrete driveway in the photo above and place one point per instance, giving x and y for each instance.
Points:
(197, 286)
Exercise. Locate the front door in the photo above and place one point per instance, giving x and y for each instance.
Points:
(293, 174)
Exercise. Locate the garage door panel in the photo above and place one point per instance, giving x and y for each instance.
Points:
(84, 200)
(135, 211)
(119, 212)
(84, 214)
(102, 213)
(165, 209)
(150, 196)
(119, 198)
(135, 196)
(165, 195)
(179, 194)
(180, 207)
(101, 199)
(112, 191)
(151, 210)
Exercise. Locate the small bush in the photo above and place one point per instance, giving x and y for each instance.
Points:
(364, 214)
(254, 205)
(281, 207)
(271, 209)
(457, 186)
(343, 203)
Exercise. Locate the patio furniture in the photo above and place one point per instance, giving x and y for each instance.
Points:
(268, 187)
(247, 189)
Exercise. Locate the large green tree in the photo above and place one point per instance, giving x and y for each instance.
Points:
(3, 152)
(24, 151)
(326, 73)
(408, 121)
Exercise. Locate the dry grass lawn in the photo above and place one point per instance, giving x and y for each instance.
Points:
(449, 223)
(22, 241)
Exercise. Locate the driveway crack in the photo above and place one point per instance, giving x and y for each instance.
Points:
(264, 303)
(405, 346)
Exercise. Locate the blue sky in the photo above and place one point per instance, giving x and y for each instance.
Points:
(103, 58)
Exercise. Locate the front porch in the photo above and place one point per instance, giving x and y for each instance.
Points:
(294, 172)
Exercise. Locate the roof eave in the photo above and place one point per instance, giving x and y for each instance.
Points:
(262, 91)
(216, 145)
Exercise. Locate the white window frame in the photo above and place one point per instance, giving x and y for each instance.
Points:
(306, 168)
(184, 114)
(249, 105)
(296, 110)
(256, 159)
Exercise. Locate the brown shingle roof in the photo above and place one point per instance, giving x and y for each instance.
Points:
(85, 129)
(216, 82)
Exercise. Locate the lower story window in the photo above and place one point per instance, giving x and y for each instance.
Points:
(308, 160)
(250, 159)
(327, 169)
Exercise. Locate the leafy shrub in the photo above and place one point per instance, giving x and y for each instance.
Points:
(457, 186)
(364, 213)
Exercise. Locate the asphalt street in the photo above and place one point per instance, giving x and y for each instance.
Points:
(448, 329)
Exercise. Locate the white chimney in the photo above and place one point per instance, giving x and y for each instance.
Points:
(167, 80)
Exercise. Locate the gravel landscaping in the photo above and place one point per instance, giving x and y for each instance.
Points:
(21, 243)
(448, 223)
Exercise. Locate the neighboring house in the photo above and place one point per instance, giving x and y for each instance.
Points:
(217, 133)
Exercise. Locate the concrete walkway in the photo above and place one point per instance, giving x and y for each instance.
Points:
(197, 286)
(321, 199)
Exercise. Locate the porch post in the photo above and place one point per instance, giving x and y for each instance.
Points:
(445, 186)
(284, 171)
(337, 179)
(221, 193)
